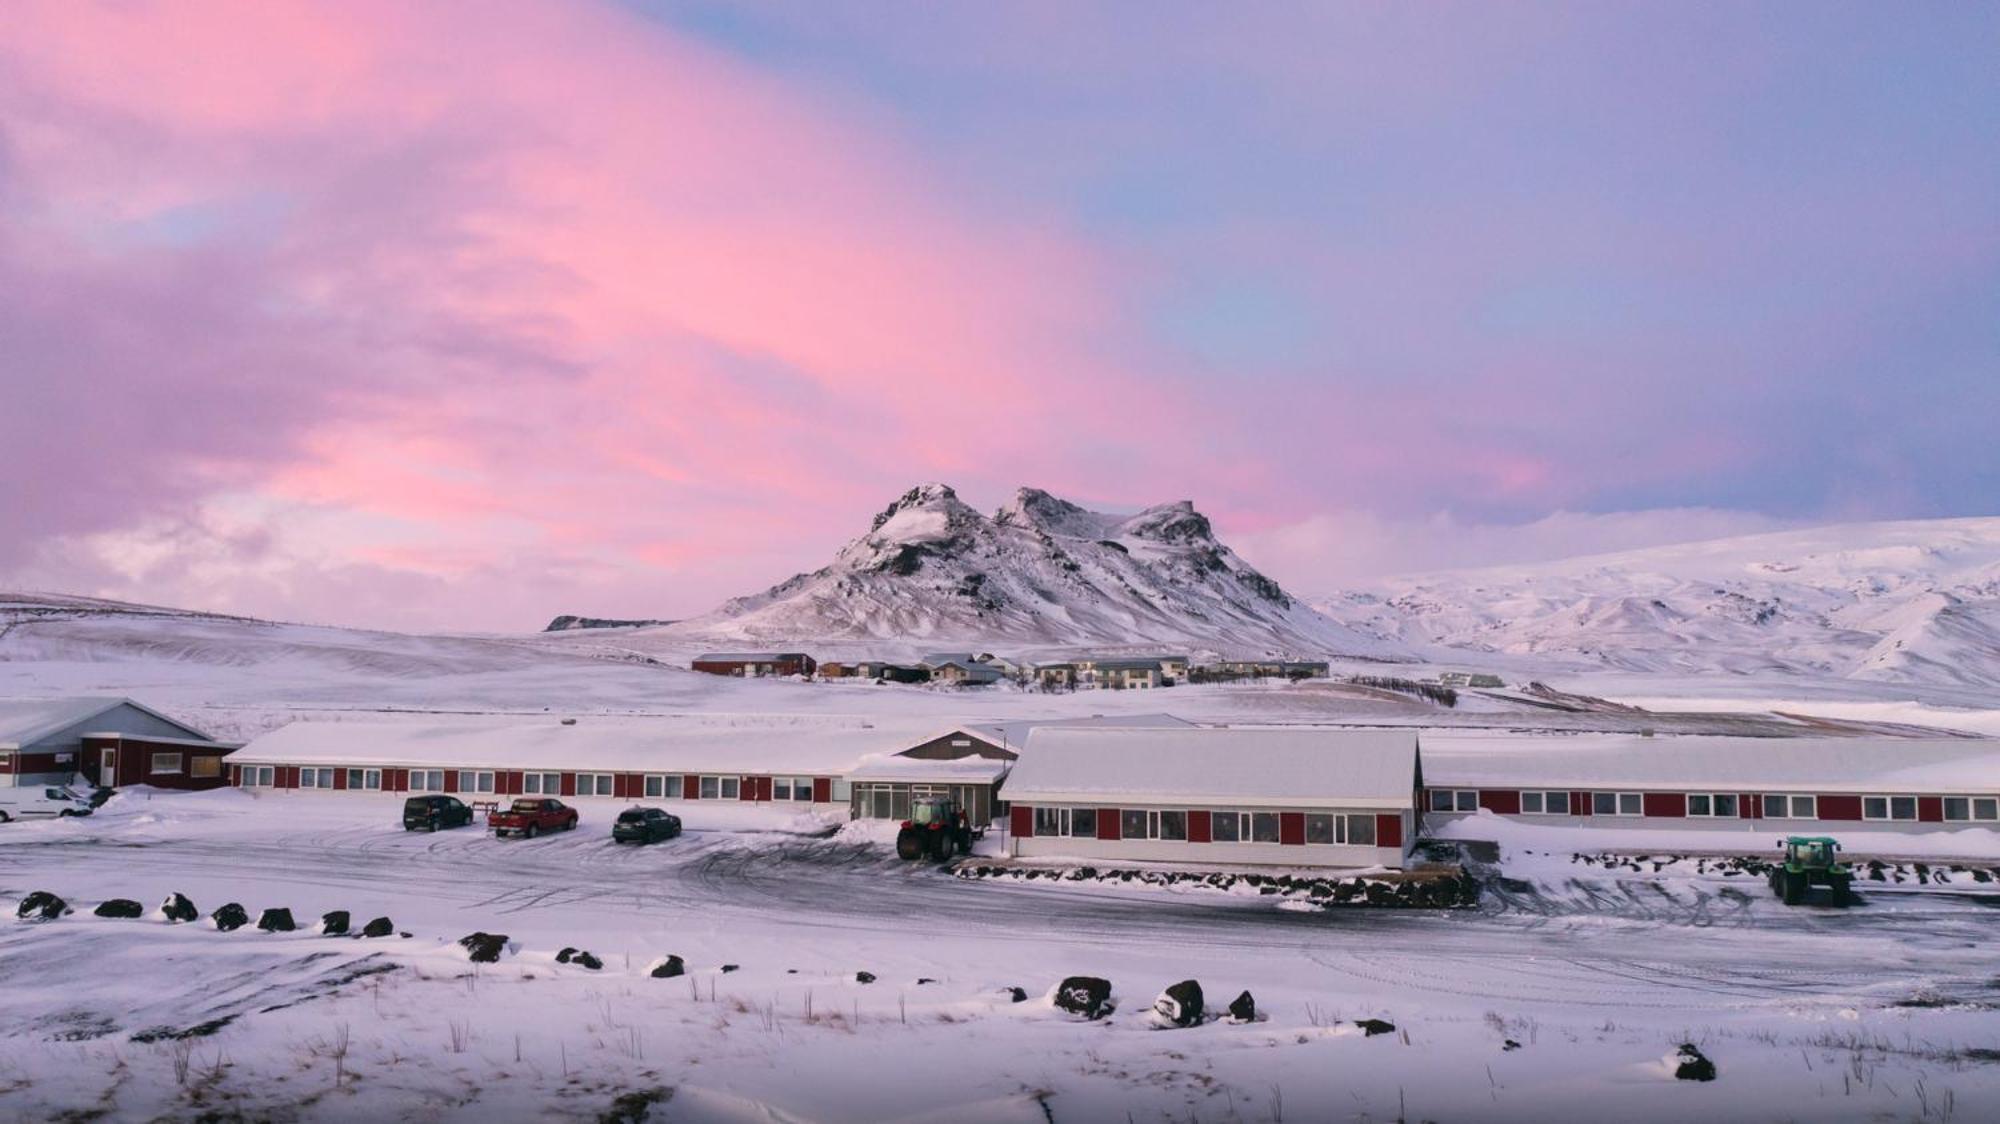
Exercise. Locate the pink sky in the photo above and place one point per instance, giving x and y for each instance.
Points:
(464, 315)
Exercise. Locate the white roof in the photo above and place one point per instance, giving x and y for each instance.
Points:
(1694, 763)
(963, 770)
(23, 722)
(1009, 735)
(680, 743)
(1247, 767)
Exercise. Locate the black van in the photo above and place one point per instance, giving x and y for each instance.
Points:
(428, 813)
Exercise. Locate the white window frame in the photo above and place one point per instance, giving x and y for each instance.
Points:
(1155, 820)
(594, 784)
(1541, 802)
(541, 784)
(1797, 806)
(1456, 800)
(1348, 833)
(711, 788)
(1057, 822)
(663, 786)
(731, 788)
(475, 780)
(1985, 809)
(179, 761)
(1242, 820)
(320, 777)
(1889, 809)
(1713, 810)
(427, 780)
(259, 776)
(1618, 802)
(364, 780)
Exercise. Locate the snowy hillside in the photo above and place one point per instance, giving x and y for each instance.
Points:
(1040, 571)
(1906, 602)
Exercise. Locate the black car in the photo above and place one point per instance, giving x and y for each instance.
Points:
(644, 825)
(428, 813)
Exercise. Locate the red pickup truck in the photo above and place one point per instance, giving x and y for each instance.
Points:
(530, 816)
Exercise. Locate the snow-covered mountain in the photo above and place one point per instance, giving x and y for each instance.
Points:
(1041, 571)
(1903, 602)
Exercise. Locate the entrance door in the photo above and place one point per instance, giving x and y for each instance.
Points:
(108, 768)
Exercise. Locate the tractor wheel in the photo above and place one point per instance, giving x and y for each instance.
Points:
(1795, 887)
(942, 846)
(1843, 894)
(1777, 881)
(909, 845)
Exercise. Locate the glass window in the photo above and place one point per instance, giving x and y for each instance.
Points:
(1225, 827)
(1051, 821)
(1531, 803)
(166, 762)
(1173, 825)
(732, 787)
(1361, 830)
(781, 788)
(1556, 803)
(1699, 805)
(1604, 803)
(1986, 808)
(1319, 827)
(656, 787)
(1774, 808)
(1083, 823)
(802, 789)
(1630, 804)
(1725, 805)
(1805, 807)
(1902, 807)
(1957, 808)
(1133, 824)
(205, 765)
(308, 778)
(607, 784)
(1264, 827)
(711, 787)
(1875, 807)
(1468, 800)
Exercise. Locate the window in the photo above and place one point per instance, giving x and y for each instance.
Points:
(1454, 800)
(258, 776)
(315, 778)
(1718, 805)
(1545, 803)
(711, 787)
(1616, 804)
(369, 779)
(667, 787)
(1226, 827)
(473, 781)
(1783, 807)
(1320, 827)
(802, 790)
(791, 788)
(781, 788)
(1083, 823)
(594, 784)
(1986, 808)
(205, 765)
(1888, 807)
(1264, 827)
(1360, 830)
(1173, 825)
(1051, 821)
(166, 763)
(1134, 823)
(427, 780)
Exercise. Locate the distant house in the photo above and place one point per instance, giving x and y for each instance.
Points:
(106, 741)
(964, 674)
(754, 665)
(1480, 679)
(1265, 669)
(1121, 675)
(1055, 676)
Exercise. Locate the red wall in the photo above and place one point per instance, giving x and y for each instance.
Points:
(1501, 801)
(1668, 805)
(822, 790)
(1292, 828)
(568, 784)
(1021, 820)
(1107, 823)
(1930, 809)
(1839, 807)
(1388, 829)
(691, 787)
(1200, 830)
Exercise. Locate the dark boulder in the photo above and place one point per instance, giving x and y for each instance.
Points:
(922, 980)
(334, 923)
(1087, 996)
(380, 927)
(1180, 1004)
(668, 967)
(730, 967)
(41, 906)
(230, 917)
(124, 908)
(179, 908)
(276, 920)
(484, 948)
(1690, 1064)
(1372, 1027)
(580, 958)
(1017, 994)
(1243, 1008)
(864, 977)
(1509, 1045)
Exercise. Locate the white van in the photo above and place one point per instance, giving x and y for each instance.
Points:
(27, 802)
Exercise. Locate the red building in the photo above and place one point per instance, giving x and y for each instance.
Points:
(105, 741)
(755, 665)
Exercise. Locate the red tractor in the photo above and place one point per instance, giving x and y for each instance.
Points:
(937, 830)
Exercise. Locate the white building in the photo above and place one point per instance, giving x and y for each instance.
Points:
(1299, 797)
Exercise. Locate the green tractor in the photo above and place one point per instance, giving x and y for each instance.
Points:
(937, 830)
(1809, 861)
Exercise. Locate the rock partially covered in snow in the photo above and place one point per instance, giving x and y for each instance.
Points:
(667, 967)
(380, 927)
(1016, 994)
(484, 948)
(179, 908)
(41, 906)
(1690, 1064)
(1087, 996)
(333, 923)
(277, 919)
(1243, 1009)
(1179, 1005)
(864, 977)
(580, 958)
(124, 908)
(1372, 1027)
(230, 917)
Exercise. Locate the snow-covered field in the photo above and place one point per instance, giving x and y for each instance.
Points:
(1886, 1011)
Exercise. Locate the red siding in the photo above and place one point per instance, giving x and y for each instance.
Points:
(451, 781)
(568, 783)
(1022, 819)
(691, 787)
(822, 790)
(1388, 829)
(1750, 805)
(1666, 805)
(764, 787)
(1579, 803)
(746, 789)
(1107, 823)
(1292, 828)
(1199, 828)
(339, 780)
(1501, 801)
(1930, 809)
(1839, 807)
(402, 780)
(635, 786)
(291, 776)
